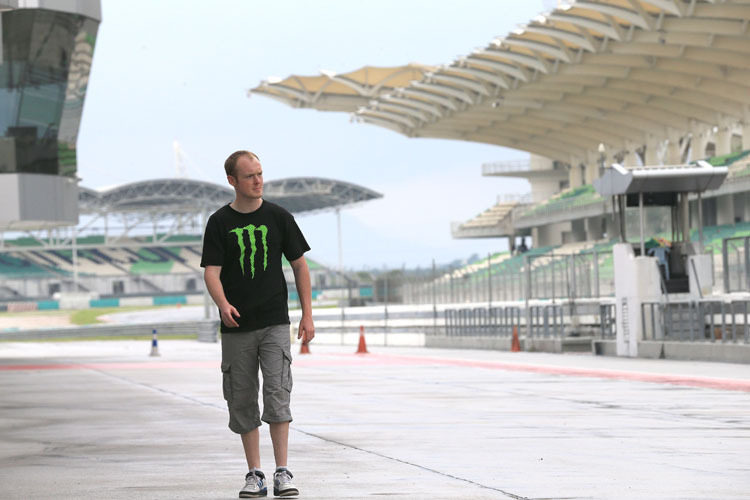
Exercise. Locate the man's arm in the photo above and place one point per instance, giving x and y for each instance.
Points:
(216, 290)
(304, 290)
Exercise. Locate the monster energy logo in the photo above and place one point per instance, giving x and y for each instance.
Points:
(241, 242)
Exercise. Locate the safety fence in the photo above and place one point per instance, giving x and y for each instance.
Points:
(532, 276)
(708, 320)
(482, 321)
(545, 321)
(204, 330)
(735, 257)
(607, 321)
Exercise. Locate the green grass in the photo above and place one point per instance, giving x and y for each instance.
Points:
(81, 316)
(90, 316)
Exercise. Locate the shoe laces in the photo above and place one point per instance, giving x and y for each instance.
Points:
(284, 476)
(254, 478)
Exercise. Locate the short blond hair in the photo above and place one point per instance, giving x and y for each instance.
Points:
(230, 165)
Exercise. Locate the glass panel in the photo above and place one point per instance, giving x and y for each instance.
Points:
(44, 72)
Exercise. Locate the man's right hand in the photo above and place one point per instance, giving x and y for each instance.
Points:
(228, 313)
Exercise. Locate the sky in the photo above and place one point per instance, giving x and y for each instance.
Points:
(180, 70)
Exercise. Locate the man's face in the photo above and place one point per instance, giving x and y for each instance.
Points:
(248, 178)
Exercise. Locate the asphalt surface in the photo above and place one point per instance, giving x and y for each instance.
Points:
(102, 419)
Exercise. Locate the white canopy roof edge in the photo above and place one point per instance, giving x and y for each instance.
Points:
(622, 73)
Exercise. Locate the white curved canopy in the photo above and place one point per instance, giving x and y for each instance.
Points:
(340, 92)
(619, 72)
(169, 196)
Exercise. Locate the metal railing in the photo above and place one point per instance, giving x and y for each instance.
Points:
(607, 318)
(205, 330)
(482, 321)
(708, 320)
(546, 321)
(542, 276)
(500, 167)
(735, 258)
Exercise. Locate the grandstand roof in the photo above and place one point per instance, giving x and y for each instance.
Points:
(617, 72)
(305, 194)
(693, 178)
(492, 223)
(330, 91)
(298, 195)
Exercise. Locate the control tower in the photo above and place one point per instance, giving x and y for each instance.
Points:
(46, 51)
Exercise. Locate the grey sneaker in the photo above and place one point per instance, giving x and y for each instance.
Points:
(282, 484)
(255, 485)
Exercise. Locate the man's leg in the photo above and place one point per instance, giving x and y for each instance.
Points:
(251, 444)
(280, 440)
(275, 362)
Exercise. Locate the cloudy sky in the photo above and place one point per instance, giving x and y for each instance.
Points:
(180, 70)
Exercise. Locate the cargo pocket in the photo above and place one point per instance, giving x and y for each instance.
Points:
(227, 381)
(286, 372)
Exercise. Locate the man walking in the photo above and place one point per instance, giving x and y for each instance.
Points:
(242, 249)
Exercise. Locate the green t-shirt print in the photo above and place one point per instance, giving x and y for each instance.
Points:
(251, 229)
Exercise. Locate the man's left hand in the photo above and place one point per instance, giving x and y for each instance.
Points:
(306, 329)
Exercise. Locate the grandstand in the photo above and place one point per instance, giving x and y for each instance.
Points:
(649, 85)
(580, 87)
(144, 239)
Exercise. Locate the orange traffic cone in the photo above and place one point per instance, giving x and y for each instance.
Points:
(304, 349)
(362, 348)
(515, 345)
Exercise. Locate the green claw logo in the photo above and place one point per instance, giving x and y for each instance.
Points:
(241, 242)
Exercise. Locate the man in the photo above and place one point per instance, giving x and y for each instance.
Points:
(242, 250)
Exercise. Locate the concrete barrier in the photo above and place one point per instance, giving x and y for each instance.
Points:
(113, 331)
(725, 352)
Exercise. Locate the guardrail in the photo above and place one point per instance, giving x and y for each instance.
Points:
(546, 321)
(708, 320)
(735, 257)
(206, 331)
(482, 321)
(607, 317)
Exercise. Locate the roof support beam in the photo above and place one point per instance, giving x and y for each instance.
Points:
(545, 48)
(414, 103)
(493, 78)
(428, 96)
(560, 34)
(444, 89)
(503, 67)
(639, 17)
(461, 82)
(605, 29)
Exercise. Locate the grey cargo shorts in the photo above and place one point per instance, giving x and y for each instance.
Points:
(241, 356)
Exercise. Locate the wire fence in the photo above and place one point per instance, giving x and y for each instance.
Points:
(533, 276)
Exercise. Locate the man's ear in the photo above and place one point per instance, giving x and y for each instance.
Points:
(232, 181)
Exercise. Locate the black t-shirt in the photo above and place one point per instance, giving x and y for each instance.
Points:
(248, 247)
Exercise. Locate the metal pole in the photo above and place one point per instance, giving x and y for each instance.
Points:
(434, 302)
(700, 221)
(338, 233)
(385, 311)
(554, 276)
(75, 259)
(596, 273)
(489, 280)
(725, 263)
(642, 223)
(527, 294)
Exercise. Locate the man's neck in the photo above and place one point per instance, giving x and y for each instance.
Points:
(245, 206)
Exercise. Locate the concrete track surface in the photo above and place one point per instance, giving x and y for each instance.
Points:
(103, 420)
